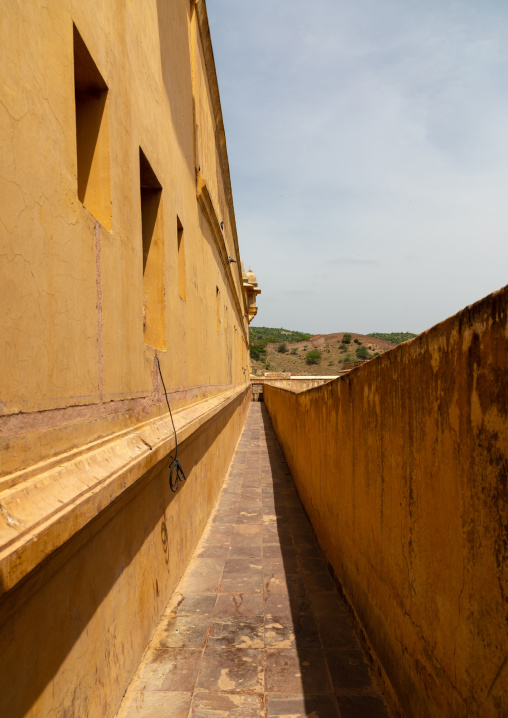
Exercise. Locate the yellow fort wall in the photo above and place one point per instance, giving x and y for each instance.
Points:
(402, 466)
(113, 188)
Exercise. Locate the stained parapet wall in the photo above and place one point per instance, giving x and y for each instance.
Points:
(402, 466)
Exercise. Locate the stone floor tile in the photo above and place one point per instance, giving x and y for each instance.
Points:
(249, 517)
(337, 632)
(231, 670)
(241, 582)
(280, 565)
(237, 632)
(225, 517)
(362, 707)
(242, 565)
(214, 551)
(324, 706)
(320, 581)
(277, 582)
(202, 576)
(270, 520)
(247, 529)
(252, 551)
(215, 538)
(156, 704)
(182, 632)
(312, 565)
(348, 670)
(279, 631)
(296, 589)
(298, 672)
(224, 526)
(170, 669)
(239, 604)
(256, 628)
(191, 604)
(306, 631)
(280, 603)
(246, 539)
(285, 539)
(309, 550)
(275, 550)
(303, 537)
(327, 603)
(221, 705)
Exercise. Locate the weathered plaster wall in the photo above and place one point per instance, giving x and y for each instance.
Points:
(402, 466)
(72, 289)
(91, 541)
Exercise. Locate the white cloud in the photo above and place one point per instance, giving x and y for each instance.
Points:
(367, 138)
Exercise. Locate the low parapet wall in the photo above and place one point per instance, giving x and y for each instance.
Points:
(402, 466)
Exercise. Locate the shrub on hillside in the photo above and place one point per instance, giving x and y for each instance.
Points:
(265, 334)
(357, 341)
(346, 339)
(362, 352)
(313, 357)
(282, 348)
(394, 337)
(257, 351)
(294, 350)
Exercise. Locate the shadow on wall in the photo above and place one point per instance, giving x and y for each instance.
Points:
(47, 615)
(72, 634)
(326, 666)
(402, 466)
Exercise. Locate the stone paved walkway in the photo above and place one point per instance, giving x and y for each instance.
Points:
(255, 627)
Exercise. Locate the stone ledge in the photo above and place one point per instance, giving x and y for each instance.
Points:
(40, 514)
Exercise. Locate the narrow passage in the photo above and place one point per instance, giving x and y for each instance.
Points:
(255, 627)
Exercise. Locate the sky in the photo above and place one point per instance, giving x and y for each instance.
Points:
(368, 152)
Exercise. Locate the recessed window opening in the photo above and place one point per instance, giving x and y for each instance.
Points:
(92, 134)
(152, 230)
(182, 286)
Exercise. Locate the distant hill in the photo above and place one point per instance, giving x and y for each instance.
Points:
(394, 337)
(329, 353)
(260, 337)
(267, 334)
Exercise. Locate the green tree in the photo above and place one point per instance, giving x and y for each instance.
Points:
(313, 357)
(346, 339)
(362, 352)
(257, 351)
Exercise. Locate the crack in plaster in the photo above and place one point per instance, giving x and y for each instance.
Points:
(496, 677)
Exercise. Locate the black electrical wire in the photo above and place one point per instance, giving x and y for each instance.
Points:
(176, 473)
